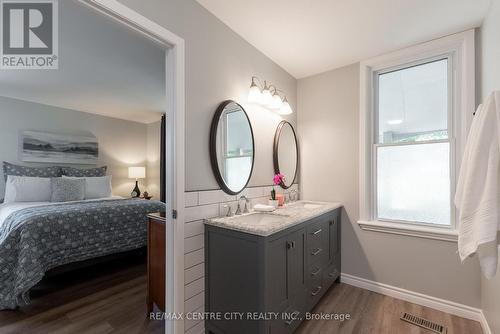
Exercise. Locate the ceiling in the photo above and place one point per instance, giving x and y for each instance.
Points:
(307, 37)
(104, 68)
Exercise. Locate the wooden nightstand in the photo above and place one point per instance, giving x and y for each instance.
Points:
(156, 261)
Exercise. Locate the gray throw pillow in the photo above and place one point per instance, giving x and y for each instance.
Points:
(17, 170)
(66, 190)
(88, 172)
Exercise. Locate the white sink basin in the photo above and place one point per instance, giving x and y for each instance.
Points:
(258, 219)
(307, 205)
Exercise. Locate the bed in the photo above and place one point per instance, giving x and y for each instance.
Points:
(36, 237)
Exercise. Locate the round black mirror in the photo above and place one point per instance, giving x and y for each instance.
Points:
(286, 153)
(231, 147)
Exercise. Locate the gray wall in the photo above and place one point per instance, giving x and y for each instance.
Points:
(219, 66)
(329, 130)
(121, 143)
(490, 72)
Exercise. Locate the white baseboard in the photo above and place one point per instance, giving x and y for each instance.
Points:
(447, 306)
(484, 324)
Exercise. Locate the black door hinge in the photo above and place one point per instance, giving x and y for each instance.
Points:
(174, 214)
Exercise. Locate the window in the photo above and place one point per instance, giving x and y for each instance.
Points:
(412, 156)
(416, 105)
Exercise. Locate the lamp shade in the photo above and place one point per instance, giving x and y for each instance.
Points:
(285, 108)
(254, 94)
(276, 102)
(137, 172)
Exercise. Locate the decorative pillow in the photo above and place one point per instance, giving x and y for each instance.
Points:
(27, 189)
(88, 172)
(67, 190)
(95, 187)
(17, 170)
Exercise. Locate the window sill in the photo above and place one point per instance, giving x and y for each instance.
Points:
(408, 230)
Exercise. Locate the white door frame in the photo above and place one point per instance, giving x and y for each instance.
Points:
(174, 50)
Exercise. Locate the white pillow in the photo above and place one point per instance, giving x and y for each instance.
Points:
(96, 186)
(27, 189)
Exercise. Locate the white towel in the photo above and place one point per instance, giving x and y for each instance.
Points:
(477, 195)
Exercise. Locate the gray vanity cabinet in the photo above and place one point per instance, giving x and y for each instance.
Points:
(286, 272)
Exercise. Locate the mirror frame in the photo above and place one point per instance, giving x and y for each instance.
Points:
(275, 152)
(213, 148)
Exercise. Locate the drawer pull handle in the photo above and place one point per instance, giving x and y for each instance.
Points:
(317, 232)
(314, 273)
(318, 289)
(316, 252)
(293, 318)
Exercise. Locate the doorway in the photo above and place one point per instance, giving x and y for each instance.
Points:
(174, 135)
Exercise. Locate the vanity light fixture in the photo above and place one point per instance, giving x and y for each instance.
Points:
(269, 96)
(254, 94)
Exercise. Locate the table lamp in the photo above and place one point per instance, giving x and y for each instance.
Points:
(136, 173)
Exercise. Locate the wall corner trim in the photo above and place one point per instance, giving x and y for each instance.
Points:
(484, 324)
(439, 304)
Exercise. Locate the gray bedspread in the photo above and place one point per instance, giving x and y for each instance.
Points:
(37, 239)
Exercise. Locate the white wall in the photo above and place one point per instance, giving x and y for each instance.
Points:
(328, 119)
(121, 143)
(219, 66)
(490, 81)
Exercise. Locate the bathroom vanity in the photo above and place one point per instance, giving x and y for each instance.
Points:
(264, 271)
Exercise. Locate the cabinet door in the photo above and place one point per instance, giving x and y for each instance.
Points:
(277, 278)
(286, 264)
(333, 236)
(296, 266)
(290, 292)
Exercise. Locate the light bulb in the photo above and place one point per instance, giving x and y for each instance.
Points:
(395, 121)
(254, 94)
(266, 97)
(276, 102)
(285, 108)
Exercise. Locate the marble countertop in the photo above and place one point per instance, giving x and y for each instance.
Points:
(268, 223)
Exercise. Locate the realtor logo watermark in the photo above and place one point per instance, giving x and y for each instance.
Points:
(29, 33)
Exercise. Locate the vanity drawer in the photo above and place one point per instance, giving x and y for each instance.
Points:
(316, 291)
(317, 256)
(317, 232)
(317, 243)
(315, 271)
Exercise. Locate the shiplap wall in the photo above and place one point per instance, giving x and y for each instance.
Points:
(202, 205)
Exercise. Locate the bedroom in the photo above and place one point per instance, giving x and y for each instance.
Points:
(75, 145)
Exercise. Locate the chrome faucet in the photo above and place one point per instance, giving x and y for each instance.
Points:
(229, 210)
(245, 210)
(295, 194)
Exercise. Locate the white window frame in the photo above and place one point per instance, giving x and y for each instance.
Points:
(459, 48)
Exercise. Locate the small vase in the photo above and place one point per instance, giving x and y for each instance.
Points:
(273, 202)
(281, 199)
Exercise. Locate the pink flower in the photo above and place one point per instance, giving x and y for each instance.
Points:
(278, 178)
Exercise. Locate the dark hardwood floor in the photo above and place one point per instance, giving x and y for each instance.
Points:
(377, 314)
(111, 298)
(107, 298)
